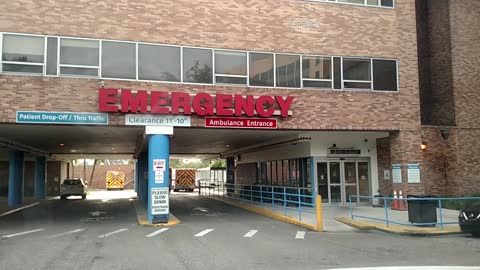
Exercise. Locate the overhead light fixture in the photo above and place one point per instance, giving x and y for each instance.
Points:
(73, 151)
(423, 146)
(227, 145)
(61, 145)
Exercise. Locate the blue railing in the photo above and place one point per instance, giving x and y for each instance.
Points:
(287, 198)
(387, 202)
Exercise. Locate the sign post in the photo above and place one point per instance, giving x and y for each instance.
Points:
(158, 175)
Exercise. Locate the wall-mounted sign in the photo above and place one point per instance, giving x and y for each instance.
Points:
(159, 177)
(74, 118)
(159, 199)
(203, 104)
(413, 173)
(157, 120)
(158, 165)
(397, 173)
(222, 122)
(386, 174)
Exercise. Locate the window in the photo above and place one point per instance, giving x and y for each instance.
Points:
(261, 69)
(360, 2)
(197, 65)
(288, 70)
(23, 54)
(118, 60)
(385, 75)
(317, 72)
(158, 63)
(356, 73)
(79, 57)
(52, 45)
(230, 67)
(337, 72)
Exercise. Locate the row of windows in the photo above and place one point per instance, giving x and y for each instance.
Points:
(290, 173)
(58, 56)
(375, 3)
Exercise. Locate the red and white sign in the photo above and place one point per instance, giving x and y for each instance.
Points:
(159, 165)
(225, 122)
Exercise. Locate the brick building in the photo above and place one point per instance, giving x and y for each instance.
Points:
(359, 114)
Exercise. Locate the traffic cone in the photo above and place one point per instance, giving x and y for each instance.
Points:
(395, 201)
(401, 203)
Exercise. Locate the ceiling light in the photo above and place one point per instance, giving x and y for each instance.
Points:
(73, 150)
(61, 145)
(227, 145)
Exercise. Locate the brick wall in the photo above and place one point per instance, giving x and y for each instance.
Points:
(384, 163)
(99, 176)
(268, 25)
(435, 62)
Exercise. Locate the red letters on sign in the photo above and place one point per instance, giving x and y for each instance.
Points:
(182, 103)
(260, 106)
(107, 99)
(158, 102)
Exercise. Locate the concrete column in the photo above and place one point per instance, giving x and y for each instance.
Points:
(142, 178)
(40, 177)
(158, 178)
(15, 178)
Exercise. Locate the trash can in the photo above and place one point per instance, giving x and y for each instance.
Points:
(422, 211)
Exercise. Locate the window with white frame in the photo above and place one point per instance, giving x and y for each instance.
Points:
(118, 60)
(287, 68)
(261, 69)
(79, 57)
(317, 71)
(159, 63)
(23, 53)
(230, 67)
(384, 75)
(52, 54)
(357, 73)
(197, 65)
(376, 3)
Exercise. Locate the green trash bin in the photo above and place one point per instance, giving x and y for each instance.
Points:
(422, 211)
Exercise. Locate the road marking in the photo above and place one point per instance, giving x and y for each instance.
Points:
(202, 233)
(65, 233)
(114, 232)
(300, 235)
(19, 209)
(157, 232)
(22, 233)
(250, 233)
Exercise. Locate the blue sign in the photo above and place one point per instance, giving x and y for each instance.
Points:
(62, 118)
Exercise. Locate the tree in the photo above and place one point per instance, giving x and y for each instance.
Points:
(200, 74)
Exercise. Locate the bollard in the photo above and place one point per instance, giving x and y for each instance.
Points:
(318, 211)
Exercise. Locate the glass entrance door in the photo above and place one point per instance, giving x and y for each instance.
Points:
(339, 179)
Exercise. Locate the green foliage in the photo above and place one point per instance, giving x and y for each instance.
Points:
(200, 74)
(459, 204)
(219, 163)
(179, 164)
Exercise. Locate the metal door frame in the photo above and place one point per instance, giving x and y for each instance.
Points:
(343, 199)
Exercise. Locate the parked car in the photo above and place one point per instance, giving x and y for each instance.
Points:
(73, 187)
(469, 219)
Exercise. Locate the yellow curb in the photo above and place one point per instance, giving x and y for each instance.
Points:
(397, 229)
(270, 214)
(172, 221)
(143, 220)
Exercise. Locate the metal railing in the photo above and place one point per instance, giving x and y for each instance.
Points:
(287, 198)
(387, 202)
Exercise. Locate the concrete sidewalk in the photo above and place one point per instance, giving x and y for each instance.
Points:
(338, 218)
